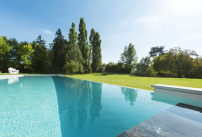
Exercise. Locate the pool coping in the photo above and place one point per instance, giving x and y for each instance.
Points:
(13, 76)
(178, 88)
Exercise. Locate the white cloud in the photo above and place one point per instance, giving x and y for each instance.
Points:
(47, 31)
(126, 22)
(195, 36)
(153, 23)
(184, 7)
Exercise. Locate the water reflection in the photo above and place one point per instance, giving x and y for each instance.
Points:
(75, 99)
(129, 94)
(13, 80)
(96, 105)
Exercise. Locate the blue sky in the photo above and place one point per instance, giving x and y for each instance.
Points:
(144, 23)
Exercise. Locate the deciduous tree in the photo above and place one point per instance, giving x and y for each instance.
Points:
(24, 52)
(129, 57)
(156, 51)
(5, 55)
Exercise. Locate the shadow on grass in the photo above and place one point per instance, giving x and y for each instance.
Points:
(104, 74)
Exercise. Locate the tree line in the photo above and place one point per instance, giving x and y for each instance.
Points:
(65, 55)
(127, 62)
(173, 63)
(79, 53)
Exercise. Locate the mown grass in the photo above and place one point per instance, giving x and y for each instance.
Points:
(134, 81)
(138, 82)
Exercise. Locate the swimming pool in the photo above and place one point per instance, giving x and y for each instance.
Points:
(62, 106)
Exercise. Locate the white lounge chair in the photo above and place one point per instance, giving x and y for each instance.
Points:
(13, 71)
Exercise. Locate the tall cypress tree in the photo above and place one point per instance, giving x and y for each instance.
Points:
(59, 50)
(96, 53)
(91, 39)
(74, 60)
(83, 45)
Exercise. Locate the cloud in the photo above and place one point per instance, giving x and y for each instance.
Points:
(47, 31)
(125, 22)
(151, 22)
(195, 36)
(184, 7)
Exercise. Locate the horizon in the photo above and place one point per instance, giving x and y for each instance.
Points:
(145, 23)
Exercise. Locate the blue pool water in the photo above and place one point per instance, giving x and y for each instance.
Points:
(68, 107)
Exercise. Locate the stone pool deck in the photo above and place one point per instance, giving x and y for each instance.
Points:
(185, 93)
(179, 120)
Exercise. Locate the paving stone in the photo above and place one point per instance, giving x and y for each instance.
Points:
(139, 131)
(159, 129)
(187, 111)
(176, 125)
(170, 116)
(177, 121)
(122, 135)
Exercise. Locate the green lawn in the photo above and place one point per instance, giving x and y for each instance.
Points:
(134, 81)
(138, 82)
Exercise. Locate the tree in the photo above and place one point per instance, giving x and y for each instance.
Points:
(40, 41)
(41, 60)
(83, 45)
(176, 62)
(4, 47)
(96, 53)
(196, 71)
(71, 67)
(4, 53)
(143, 67)
(129, 57)
(156, 51)
(12, 54)
(59, 50)
(74, 58)
(111, 67)
(91, 39)
(25, 51)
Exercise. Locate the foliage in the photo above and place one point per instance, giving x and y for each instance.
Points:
(157, 51)
(91, 39)
(34, 57)
(59, 50)
(82, 57)
(117, 67)
(73, 56)
(83, 45)
(25, 51)
(143, 68)
(4, 47)
(5, 55)
(72, 67)
(196, 68)
(129, 57)
(41, 58)
(177, 62)
(40, 41)
(96, 52)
